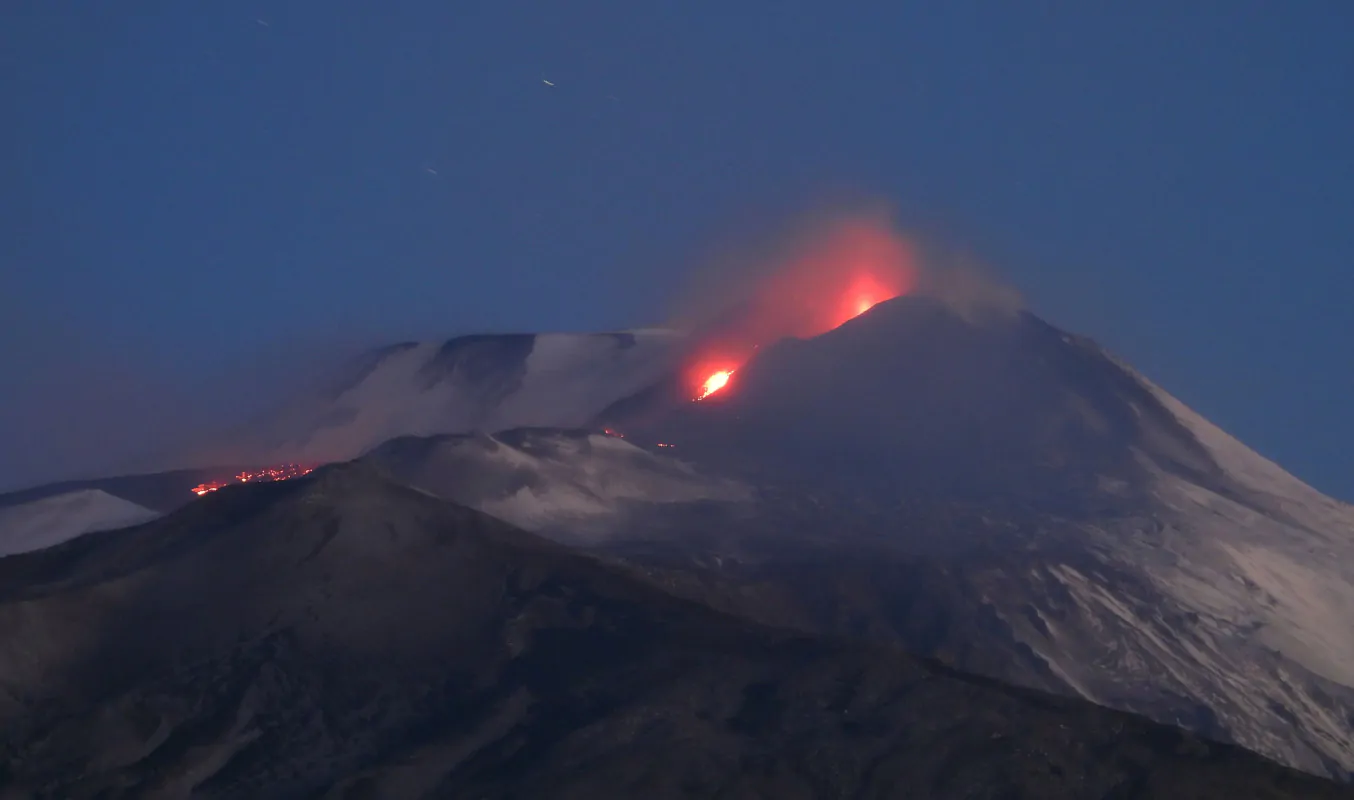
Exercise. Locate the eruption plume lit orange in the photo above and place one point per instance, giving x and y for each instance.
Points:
(825, 278)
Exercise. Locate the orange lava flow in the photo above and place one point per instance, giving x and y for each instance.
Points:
(715, 382)
(281, 472)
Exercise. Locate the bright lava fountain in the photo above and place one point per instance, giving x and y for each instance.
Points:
(715, 382)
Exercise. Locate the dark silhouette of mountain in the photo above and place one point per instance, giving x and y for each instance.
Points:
(913, 395)
(343, 636)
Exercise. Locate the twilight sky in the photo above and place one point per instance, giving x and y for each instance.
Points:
(195, 190)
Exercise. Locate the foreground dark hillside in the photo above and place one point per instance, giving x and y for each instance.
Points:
(346, 637)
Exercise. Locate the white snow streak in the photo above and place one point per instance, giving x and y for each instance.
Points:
(53, 520)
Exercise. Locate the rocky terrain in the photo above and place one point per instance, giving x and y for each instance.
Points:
(344, 636)
(983, 489)
(1118, 546)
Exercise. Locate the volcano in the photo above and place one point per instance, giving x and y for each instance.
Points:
(341, 635)
(973, 485)
(1031, 507)
(911, 390)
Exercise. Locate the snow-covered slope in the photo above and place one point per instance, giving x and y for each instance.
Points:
(568, 484)
(1201, 610)
(1064, 517)
(1266, 482)
(470, 384)
(1149, 560)
(1263, 568)
(53, 520)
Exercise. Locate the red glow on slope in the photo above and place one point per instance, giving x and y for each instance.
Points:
(829, 278)
(832, 277)
(281, 472)
(865, 293)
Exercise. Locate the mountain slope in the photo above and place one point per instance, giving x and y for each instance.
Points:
(1125, 550)
(52, 520)
(247, 646)
(470, 384)
(158, 491)
(914, 394)
(573, 485)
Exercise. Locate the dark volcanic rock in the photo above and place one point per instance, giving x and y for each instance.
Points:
(344, 637)
(916, 399)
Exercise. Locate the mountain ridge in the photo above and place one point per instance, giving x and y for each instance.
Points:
(1065, 523)
(550, 672)
(1234, 576)
(478, 383)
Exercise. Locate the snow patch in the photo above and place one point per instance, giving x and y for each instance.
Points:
(556, 482)
(474, 385)
(594, 476)
(1306, 614)
(53, 520)
(1255, 472)
(570, 379)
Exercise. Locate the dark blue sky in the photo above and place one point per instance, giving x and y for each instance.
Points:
(187, 184)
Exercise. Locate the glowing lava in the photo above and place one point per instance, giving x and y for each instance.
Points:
(823, 277)
(715, 382)
(281, 472)
(864, 292)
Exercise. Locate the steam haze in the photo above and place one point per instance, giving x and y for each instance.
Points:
(816, 271)
(812, 272)
(80, 407)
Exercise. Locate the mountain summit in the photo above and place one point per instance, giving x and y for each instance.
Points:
(1124, 549)
(977, 487)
